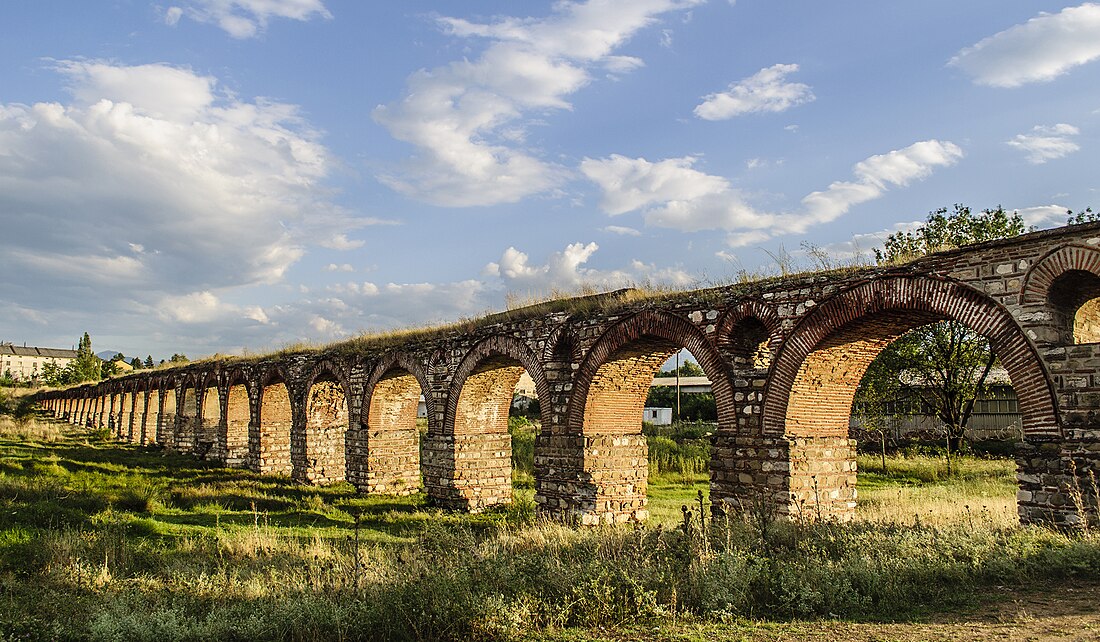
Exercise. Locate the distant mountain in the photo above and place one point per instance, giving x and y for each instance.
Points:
(107, 355)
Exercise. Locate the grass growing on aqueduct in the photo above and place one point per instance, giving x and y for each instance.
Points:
(108, 541)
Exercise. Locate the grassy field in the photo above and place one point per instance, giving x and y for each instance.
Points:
(100, 540)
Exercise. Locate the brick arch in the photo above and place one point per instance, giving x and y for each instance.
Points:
(876, 312)
(385, 456)
(318, 448)
(237, 435)
(469, 465)
(748, 311)
(332, 369)
(392, 361)
(1042, 275)
(664, 327)
(605, 409)
(238, 377)
(274, 373)
(269, 438)
(498, 346)
(562, 344)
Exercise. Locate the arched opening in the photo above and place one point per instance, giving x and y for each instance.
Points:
(151, 419)
(679, 418)
(103, 412)
(807, 412)
(271, 450)
(326, 433)
(166, 426)
(387, 456)
(746, 344)
(74, 413)
(114, 401)
(207, 435)
(927, 403)
(1074, 301)
(238, 417)
(187, 423)
(95, 411)
(126, 416)
(608, 407)
(469, 462)
(482, 443)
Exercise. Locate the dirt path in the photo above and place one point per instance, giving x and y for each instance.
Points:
(1066, 613)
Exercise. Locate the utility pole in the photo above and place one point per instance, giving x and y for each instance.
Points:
(677, 386)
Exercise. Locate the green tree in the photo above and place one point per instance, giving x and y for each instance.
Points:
(135, 363)
(945, 365)
(944, 230)
(687, 369)
(1084, 216)
(86, 366)
(178, 358)
(149, 361)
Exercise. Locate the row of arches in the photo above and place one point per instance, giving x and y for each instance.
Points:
(783, 385)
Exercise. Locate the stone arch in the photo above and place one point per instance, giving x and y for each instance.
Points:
(208, 422)
(809, 396)
(748, 335)
(469, 465)
(318, 451)
(505, 347)
(662, 328)
(112, 409)
(126, 410)
(562, 345)
(235, 433)
(166, 423)
(385, 457)
(904, 303)
(1065, 284)
(151, 417)
(269, 450)
(609, 393)
(189, 413)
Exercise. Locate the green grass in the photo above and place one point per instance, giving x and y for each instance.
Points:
(106, 541)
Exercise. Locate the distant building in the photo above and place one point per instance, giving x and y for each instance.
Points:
(24, 363)
(657, 416)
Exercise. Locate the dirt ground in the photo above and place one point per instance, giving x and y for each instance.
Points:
(1065, 613)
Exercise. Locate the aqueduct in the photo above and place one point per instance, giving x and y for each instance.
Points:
(785, 356)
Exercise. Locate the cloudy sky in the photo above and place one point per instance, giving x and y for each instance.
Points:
(207, 176)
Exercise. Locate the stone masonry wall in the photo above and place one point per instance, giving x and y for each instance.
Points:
(783, 355)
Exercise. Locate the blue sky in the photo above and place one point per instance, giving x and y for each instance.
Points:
(236, 175)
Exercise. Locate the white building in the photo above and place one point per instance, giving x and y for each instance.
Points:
(24, 363)
(657, 416)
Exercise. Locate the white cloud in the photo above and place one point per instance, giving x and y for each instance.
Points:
(341, 242)
(465, 117)
(1046, 143)
(621, 230)
(1043, 216)
(245, 18)
(765, 91)
(566, 271)
(150, 182)
(172, 16)
(344, 267)
(876, 175)
(672, 194)
(1040, 49)
(629, 184)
